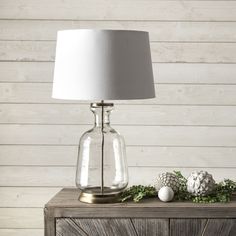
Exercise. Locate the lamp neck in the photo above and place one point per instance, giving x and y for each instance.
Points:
(101, 113)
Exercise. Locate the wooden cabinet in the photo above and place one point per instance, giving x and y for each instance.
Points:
(66, 216)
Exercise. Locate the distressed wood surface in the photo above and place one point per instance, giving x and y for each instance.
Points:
(221, 227)
(66, 226)
(21, 218)
(158, 30)
(66, 204)
(62, 176)
(186, 227)
(202, 227)
(121, 115)
(119, 10)
(181, 94)
(147, 135)
(146, 227)
(28, 197)
(167, 73)
(21, 232)
(161, 51)
(139, 156)
(49, 222)
(107, 227)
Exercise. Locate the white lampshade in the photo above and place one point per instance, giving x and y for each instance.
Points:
(103, 65)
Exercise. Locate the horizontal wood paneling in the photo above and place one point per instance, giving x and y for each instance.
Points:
(27, 51)
(194, 73)
(180, 94)
(25, 196)
(136, 156)
(163, 73)
(65, 176)
(21, 232)
(38, 155)
(37, 176)
(194, 52)
(158, 31)
(26, 72)
(147, 135)
(122, 114)
(21, 218)
(119, 10)
(161, 51)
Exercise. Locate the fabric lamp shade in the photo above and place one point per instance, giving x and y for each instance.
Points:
(103, 65)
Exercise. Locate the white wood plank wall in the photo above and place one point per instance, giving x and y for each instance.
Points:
(190, 125)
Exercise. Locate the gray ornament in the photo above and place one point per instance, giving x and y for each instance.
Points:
(200, 183)
(167, 179)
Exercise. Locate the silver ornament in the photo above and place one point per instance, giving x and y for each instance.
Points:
(200, 183)
(167, 179)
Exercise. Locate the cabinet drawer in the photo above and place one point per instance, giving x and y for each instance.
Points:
(144, 227)
(203, 227)
(111, 227)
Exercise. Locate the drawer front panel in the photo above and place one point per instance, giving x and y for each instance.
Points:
(203, 227)
(111, 226)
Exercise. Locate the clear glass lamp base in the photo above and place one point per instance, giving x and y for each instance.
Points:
(102, 173)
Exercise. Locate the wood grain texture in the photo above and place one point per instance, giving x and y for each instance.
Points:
(22, 218)
(66, 226)
(178, 227)
(203, 227)
(105, 227)
(66, 204)
(146, 227)
(25, 196)
(167, 73)
(220, 227)
(121, 115)
(139, 156)
(186, 227)
(181, 94)
(148, 135)
(158, 31)
(49, 222)
(119, 10)
(161, 51)
(21, 232)
(65, 176)
(193, 52)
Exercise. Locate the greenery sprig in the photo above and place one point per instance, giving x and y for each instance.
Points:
(138, 192)
(222, 193)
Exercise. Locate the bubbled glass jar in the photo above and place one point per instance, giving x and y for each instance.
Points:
(102, 172)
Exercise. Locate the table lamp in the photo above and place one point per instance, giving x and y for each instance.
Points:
(99, 65)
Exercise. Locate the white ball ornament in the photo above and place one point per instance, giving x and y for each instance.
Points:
(166, 194)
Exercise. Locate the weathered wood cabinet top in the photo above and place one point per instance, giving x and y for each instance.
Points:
(65, 215)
